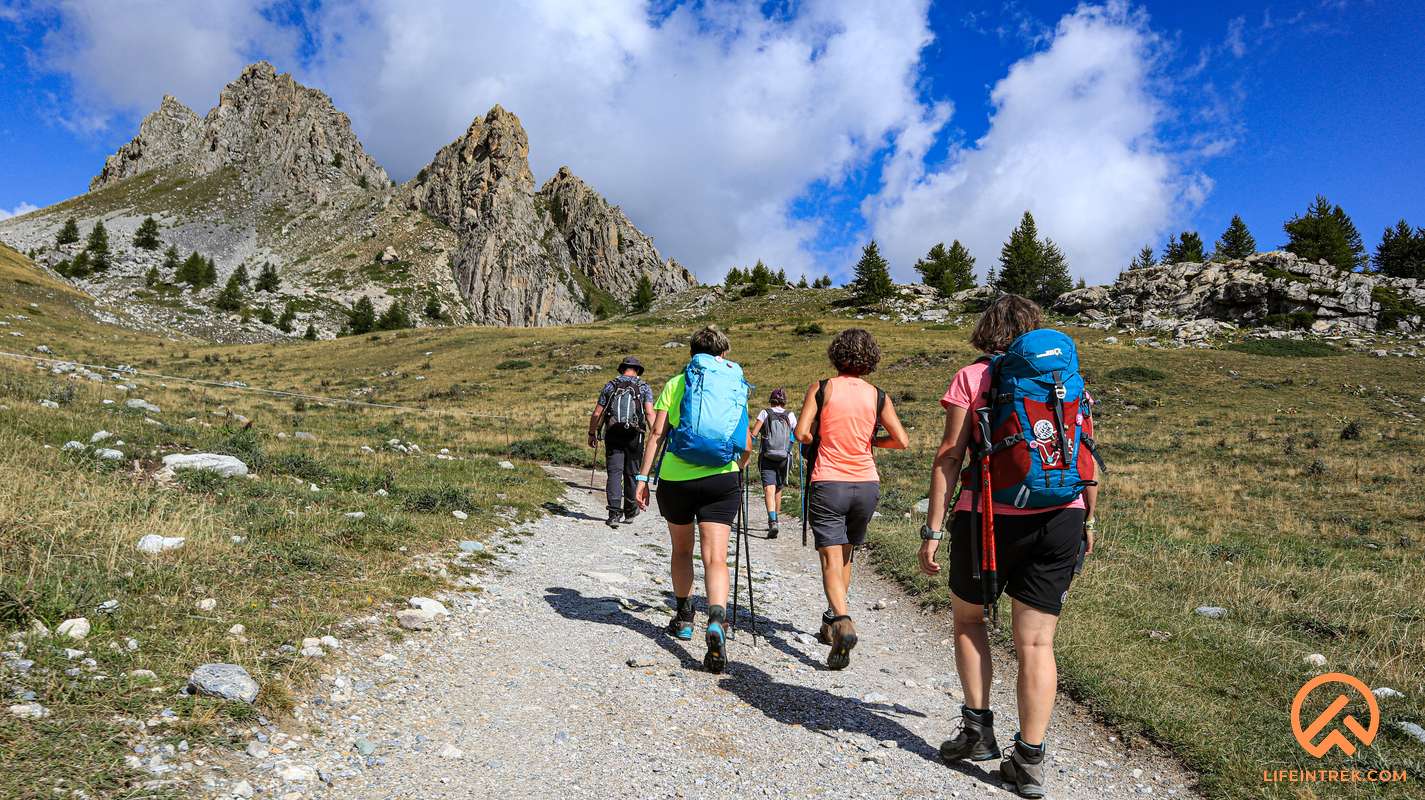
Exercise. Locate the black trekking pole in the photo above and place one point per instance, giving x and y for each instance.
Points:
(737, 556)
(751, 595)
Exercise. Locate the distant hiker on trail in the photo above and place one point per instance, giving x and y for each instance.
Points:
(623, 410)
(702, 412)
(840, 422)
(1028, 534)
(773, 428)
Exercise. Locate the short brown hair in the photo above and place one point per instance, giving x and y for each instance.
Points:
(710, 340)
(854, 352)
(1008, 317)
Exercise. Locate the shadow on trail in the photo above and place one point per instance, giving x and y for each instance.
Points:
(561, 510)
(571, 604)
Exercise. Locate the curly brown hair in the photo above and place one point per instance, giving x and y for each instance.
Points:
(1007, 318)
(854, 352)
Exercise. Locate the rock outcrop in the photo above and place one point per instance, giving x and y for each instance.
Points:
(1275, 289)
(167, 137)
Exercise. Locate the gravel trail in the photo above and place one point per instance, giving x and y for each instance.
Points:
(557, 681)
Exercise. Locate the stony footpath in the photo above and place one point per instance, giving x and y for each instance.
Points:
(553, 678)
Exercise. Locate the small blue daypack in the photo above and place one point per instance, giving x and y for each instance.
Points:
(712, 420)
(1035, 423)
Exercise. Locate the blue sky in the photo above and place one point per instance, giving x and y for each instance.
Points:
(795, 131)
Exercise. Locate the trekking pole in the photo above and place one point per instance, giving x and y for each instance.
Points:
(988, 567)
(737, 558)
(802, 468)
(751, 595)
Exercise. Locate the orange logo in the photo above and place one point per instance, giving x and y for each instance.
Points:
(1306, 736)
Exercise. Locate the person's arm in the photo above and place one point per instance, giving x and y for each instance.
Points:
(804, 419)
(648, 409)
(948, 458)
(652, 442)
(1090, 505)
(896, 438)
(596, 419)
(756, 428)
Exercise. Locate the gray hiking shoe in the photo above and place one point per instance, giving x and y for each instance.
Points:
(1026, 773)
(974, 740)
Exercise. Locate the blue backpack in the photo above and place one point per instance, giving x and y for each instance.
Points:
(712, 420)
(1035, 423)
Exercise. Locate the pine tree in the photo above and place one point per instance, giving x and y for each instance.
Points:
(1056, 279)
(98, 248)
(1401, 252)
(1236, 241)
(394, 318)
(289, 315)
(267, 280)
(191, 271)
(782, 278)
(1192, 249)
(68, 234)
(151, 278)
(802, 284)
(642, 295)
(265, 315)
(433, 309)
(241, 274)
(362, 317)
(210, 272)
(79, 267)
(230, 298)
(311, 333)
(146, 237)
(873, 276)
(170, 260)
(959, 269)
(932, 267)
(1325, 232)
(759, 280)
(734, 277)
(1030, 267)
(1144, 259)
(1172, 251)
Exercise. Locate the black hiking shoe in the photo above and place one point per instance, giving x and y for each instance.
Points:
(843, 641)
(772, 529)
(1024, 769)
(615, 517)
(681, 627)
(974, 740)
(629, 514)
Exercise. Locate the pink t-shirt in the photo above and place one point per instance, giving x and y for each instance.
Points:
(966, 388)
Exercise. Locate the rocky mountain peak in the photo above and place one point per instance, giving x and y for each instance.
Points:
(167, 136)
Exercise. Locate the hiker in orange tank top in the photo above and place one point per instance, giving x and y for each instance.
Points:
(839, 423)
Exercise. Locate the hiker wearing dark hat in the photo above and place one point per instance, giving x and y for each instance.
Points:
(773, 428)
(623, 410)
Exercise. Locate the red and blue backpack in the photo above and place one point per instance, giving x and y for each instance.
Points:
(1035, 421)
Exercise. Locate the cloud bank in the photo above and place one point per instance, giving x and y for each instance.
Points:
(712, 124)
(22, 208)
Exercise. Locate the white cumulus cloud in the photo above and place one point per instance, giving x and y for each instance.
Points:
(1073, 138)
(22, 208)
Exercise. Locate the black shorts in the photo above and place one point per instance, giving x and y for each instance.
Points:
(774, 473)
(840, 511)
(1035, 555)
(715, 498)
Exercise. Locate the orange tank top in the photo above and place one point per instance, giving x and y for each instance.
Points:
(847, 420)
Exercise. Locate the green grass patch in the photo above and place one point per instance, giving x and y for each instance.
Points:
(1286, 348)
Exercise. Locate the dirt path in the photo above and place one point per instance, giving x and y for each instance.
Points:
(527, 691)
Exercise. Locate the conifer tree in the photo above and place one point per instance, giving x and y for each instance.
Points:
(642, 296)
(267, 280)
(1192, 249)
(1144, 259)
(1172, 251)
(948, 271)
(394, 318)
(311, 333)
(146, 237)
(1236, 241)
(170, 260)
(265, 315)
(98, 248)
(1031, 267)
(68, 233)
(734, 277)
(873, 276)
(191, 271)
(782, 278)
(151, 278)
(230, 298)
(1401, 252)
(802, 284)
(432, 309)
(759, 280)
(1325, 232)
(362, 317)
(289, 315)
(78, 267)
(210, 272)
(241, 274)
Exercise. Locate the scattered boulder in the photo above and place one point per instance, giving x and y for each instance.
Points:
(1387, 693)
(1211, 612)
(206, 604)
(143, 405)
(1412, 730)
(73, 447)
(99, 436)
(460, 515)
(389, 255)
(304, 436)
(224, 465)
(154, 543)
(506, 465)
(1314, 660)
(76, 628)
(226, 681)
(109, 454)
(29, 711)
(426, 604)
(472, 546)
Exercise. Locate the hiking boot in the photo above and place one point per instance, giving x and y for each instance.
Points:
(1024, 767)
(615, 517)
(973, 740)
(629, 514)
(823, 635)
(681, 627)
(716, 659)
(772, 529)
(843, 640)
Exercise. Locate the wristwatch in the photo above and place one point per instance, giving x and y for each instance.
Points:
(928, 535)
(641, 478)
(1090, 524)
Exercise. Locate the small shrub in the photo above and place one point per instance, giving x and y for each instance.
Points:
(1137, 375)
(809, 329)
(1351, 432)
(555, 451)
(1285, 348)
(514, 363)
(245, 445)
(436, 499)
(1316, 468)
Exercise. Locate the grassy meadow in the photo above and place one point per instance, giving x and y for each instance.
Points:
(1281, 483)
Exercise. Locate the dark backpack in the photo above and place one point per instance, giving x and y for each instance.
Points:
(777, 436)
(809, 451)
(625, 408)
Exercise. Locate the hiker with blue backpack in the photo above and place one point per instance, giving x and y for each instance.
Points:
(702, 413)
(841, 421)
(773, 430)
(621, 414)
(1023, 521)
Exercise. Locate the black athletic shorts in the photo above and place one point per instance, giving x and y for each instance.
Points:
(774, 473)
(715, 498)
(1035, 555)
(840, 511)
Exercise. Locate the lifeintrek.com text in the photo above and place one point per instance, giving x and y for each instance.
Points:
(1334, 776)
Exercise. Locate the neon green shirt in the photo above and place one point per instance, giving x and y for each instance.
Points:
(675, 468)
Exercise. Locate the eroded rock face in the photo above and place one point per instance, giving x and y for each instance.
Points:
(1275, 288)
(166, 137)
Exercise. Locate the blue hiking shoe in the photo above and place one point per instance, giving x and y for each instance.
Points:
(716, 658)
(680, 628)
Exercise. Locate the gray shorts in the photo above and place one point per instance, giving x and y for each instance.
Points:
(841, 510)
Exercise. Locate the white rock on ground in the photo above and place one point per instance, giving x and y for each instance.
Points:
(143, 405)
(76, 628)
(355, 515)
(506, 465)
(426, 604)
(304, 436)
(1211, 612)
(154, 543)
(1314, 659)
(29, 711)
(1412, 730)
(109, 454)
(224, 465)
(1387, 693)
(227, 681)
(73, 447)
(460, 515)
(99, 436)
(206, 604)
(143, 675)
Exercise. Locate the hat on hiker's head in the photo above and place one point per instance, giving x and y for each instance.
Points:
(779, 397)
(631, 361)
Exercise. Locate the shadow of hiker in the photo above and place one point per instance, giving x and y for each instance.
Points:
(571, 604)
(823, 712)
(561, 510)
